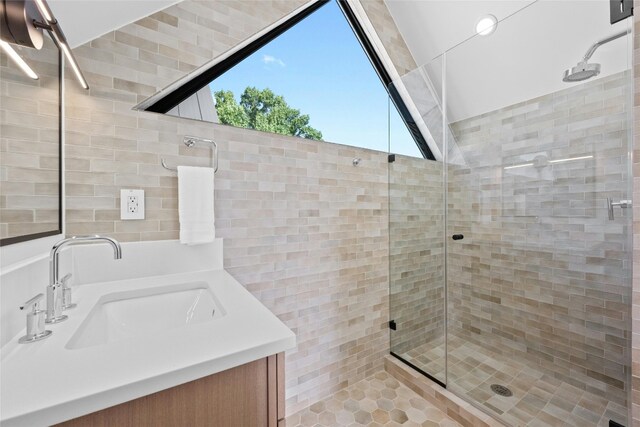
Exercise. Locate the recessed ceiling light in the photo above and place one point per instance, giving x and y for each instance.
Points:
(486, 25)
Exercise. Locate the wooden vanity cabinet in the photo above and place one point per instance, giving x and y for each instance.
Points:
(250, 395)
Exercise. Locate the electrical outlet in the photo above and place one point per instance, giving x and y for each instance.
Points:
(131, 204)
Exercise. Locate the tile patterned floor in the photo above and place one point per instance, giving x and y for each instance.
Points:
(379, 400)
(538, 398)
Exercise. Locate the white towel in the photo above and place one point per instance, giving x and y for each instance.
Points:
(195, 205)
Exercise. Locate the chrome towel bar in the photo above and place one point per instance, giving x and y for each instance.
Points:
(190, 141)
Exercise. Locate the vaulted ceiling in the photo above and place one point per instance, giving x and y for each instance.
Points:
(85, 20)
(523, 59)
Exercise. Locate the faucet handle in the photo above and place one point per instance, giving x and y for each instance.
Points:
(33, 302)
(65, 280)
(67, 302)
(35, 321)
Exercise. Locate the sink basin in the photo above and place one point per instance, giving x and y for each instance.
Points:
(122, 315)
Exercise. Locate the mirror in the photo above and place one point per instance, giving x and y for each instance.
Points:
(30, 145)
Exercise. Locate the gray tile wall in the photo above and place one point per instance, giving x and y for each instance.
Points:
(636, 224)
(391, 39)
(542, 274)
(306, 232)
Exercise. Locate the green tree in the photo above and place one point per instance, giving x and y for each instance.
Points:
(263, 110)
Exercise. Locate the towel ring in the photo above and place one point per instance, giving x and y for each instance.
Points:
(190, 141)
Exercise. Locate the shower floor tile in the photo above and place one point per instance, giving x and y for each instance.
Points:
(538, 398)
(379, 400)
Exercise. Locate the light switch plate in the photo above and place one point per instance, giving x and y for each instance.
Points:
(131, 204)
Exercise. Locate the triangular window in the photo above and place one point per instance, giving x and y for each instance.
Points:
(312, 79)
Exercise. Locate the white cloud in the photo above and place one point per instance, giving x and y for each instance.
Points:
(268, 60)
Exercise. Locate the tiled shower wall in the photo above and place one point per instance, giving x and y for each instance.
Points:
(416, 258)
(542, 274)
(635, 366)
(305, 231)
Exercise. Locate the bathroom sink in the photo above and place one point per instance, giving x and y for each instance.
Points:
(124, 315)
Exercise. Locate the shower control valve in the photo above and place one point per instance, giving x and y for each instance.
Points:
(622, 204)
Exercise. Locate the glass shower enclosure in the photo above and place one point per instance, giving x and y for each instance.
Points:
(510, 270)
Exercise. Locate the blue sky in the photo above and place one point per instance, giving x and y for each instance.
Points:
(320, 68)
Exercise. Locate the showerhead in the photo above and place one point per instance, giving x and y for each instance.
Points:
(584, 70)
(580, 72)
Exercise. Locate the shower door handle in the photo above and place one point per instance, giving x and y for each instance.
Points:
(623, 204)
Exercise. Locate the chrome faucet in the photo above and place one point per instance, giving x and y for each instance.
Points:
(55, 301)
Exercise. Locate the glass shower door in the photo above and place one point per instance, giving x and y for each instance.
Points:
(416, 244)
(538, 288)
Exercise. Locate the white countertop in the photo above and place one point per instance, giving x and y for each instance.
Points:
(44, 383)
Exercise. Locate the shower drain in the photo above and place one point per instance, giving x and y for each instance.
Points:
(501, 390)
